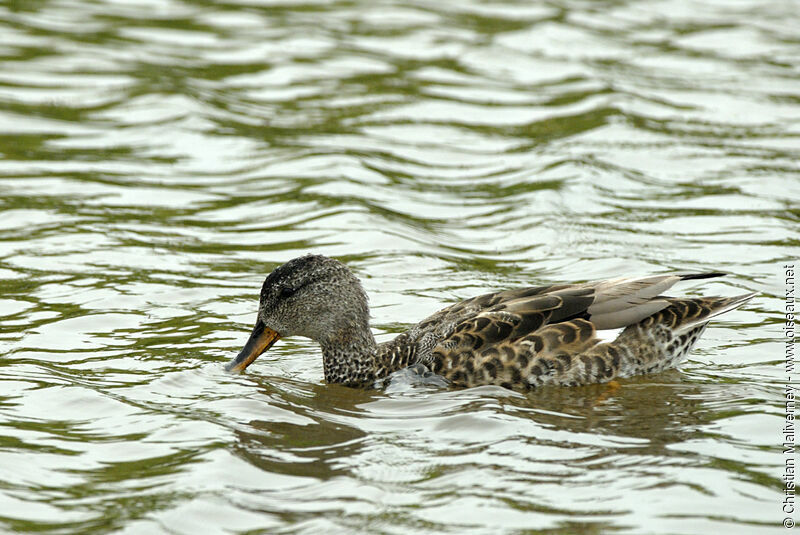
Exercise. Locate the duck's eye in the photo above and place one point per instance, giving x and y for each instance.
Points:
(286, 292)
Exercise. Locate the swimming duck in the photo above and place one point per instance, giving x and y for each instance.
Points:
(518, 339)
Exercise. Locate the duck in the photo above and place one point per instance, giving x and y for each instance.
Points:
(519, 339)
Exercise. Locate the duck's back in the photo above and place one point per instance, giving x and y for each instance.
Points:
(534, 336)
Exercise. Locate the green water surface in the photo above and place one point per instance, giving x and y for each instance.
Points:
(159, 157)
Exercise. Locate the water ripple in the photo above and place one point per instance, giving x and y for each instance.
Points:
(159, 158)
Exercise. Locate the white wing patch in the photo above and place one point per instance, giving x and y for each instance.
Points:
(608, 335)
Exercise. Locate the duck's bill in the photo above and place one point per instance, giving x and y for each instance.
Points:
(260, 340)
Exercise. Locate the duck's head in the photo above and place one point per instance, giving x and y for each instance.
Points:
(312, 296)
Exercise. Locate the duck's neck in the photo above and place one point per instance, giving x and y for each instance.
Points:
(350, 356)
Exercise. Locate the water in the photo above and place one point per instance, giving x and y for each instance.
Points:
(159, 158)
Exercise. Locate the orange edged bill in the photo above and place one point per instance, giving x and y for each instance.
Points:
(260, 340)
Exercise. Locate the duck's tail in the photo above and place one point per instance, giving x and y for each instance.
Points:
(690, 313)
(662, 340)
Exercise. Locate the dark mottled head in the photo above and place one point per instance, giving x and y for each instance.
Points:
(312, 296)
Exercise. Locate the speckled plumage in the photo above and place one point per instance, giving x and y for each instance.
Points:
(518, 339)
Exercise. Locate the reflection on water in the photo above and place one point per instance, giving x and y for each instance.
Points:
(159, 158)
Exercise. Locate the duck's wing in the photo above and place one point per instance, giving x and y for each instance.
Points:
(508, 329)
(608, 304)
(447, 318)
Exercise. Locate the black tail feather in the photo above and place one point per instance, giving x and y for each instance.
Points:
(695, 276)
